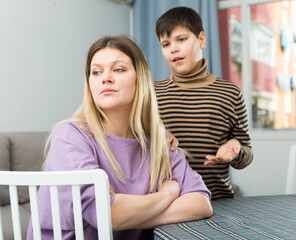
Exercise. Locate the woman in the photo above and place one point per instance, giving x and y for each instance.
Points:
(118, 129)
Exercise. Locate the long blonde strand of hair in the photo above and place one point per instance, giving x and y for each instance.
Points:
(145, 121)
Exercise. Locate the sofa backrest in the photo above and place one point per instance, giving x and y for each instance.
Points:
(20, 151)
(4, 166)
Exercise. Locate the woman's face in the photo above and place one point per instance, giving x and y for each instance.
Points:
(112, 80)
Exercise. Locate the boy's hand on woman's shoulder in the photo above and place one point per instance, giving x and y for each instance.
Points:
(172, 140)
(225, 154)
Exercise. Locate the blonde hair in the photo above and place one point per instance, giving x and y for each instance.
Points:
(144, 120)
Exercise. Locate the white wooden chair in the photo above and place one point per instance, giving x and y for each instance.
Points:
(54, 179)
(291, 175)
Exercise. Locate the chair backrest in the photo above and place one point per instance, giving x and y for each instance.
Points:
(54, 179)
(291, 174)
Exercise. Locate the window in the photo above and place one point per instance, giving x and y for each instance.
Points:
(230, 43)
(266, 33)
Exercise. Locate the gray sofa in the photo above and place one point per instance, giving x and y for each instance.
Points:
(19, 151)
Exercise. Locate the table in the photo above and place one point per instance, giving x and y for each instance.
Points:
(260, 217)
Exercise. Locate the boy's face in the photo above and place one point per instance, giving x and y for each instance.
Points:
(182, 49)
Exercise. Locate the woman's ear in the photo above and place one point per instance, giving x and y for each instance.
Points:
(202, 37)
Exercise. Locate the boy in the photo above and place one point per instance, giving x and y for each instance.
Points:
(205, 113)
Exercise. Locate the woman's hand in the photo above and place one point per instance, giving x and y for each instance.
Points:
(172, 187)
(111, 191)
(225, 154)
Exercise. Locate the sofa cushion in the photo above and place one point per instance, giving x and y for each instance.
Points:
(26, 153)
(4, 166)
(7, 222)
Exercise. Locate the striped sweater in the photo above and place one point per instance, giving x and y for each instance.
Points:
(203, 115)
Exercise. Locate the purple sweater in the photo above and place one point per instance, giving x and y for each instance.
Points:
(72, 148)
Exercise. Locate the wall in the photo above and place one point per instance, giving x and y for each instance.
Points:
(43, 47)
(267, 173)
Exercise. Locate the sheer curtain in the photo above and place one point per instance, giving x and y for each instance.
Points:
(145, 15)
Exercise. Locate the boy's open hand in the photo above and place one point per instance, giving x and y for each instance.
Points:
(225, 154)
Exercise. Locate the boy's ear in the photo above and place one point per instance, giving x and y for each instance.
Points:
(202, 37)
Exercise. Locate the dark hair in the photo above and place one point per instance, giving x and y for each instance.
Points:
(179, 16)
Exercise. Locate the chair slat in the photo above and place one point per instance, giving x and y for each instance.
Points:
(35, 212)
(291, 172)
(15, 212)
(77, 212)
(103, 207)
(55, 208)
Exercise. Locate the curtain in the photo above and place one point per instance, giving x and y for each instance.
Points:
(145, 15)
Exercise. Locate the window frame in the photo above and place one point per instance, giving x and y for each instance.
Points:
(256, 134)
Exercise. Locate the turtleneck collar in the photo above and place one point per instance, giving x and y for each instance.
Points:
(198, 77)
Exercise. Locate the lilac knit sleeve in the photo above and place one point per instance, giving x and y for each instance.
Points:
(189, 180)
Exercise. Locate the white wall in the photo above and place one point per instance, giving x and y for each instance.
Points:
(43, 47)
(267, 174)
